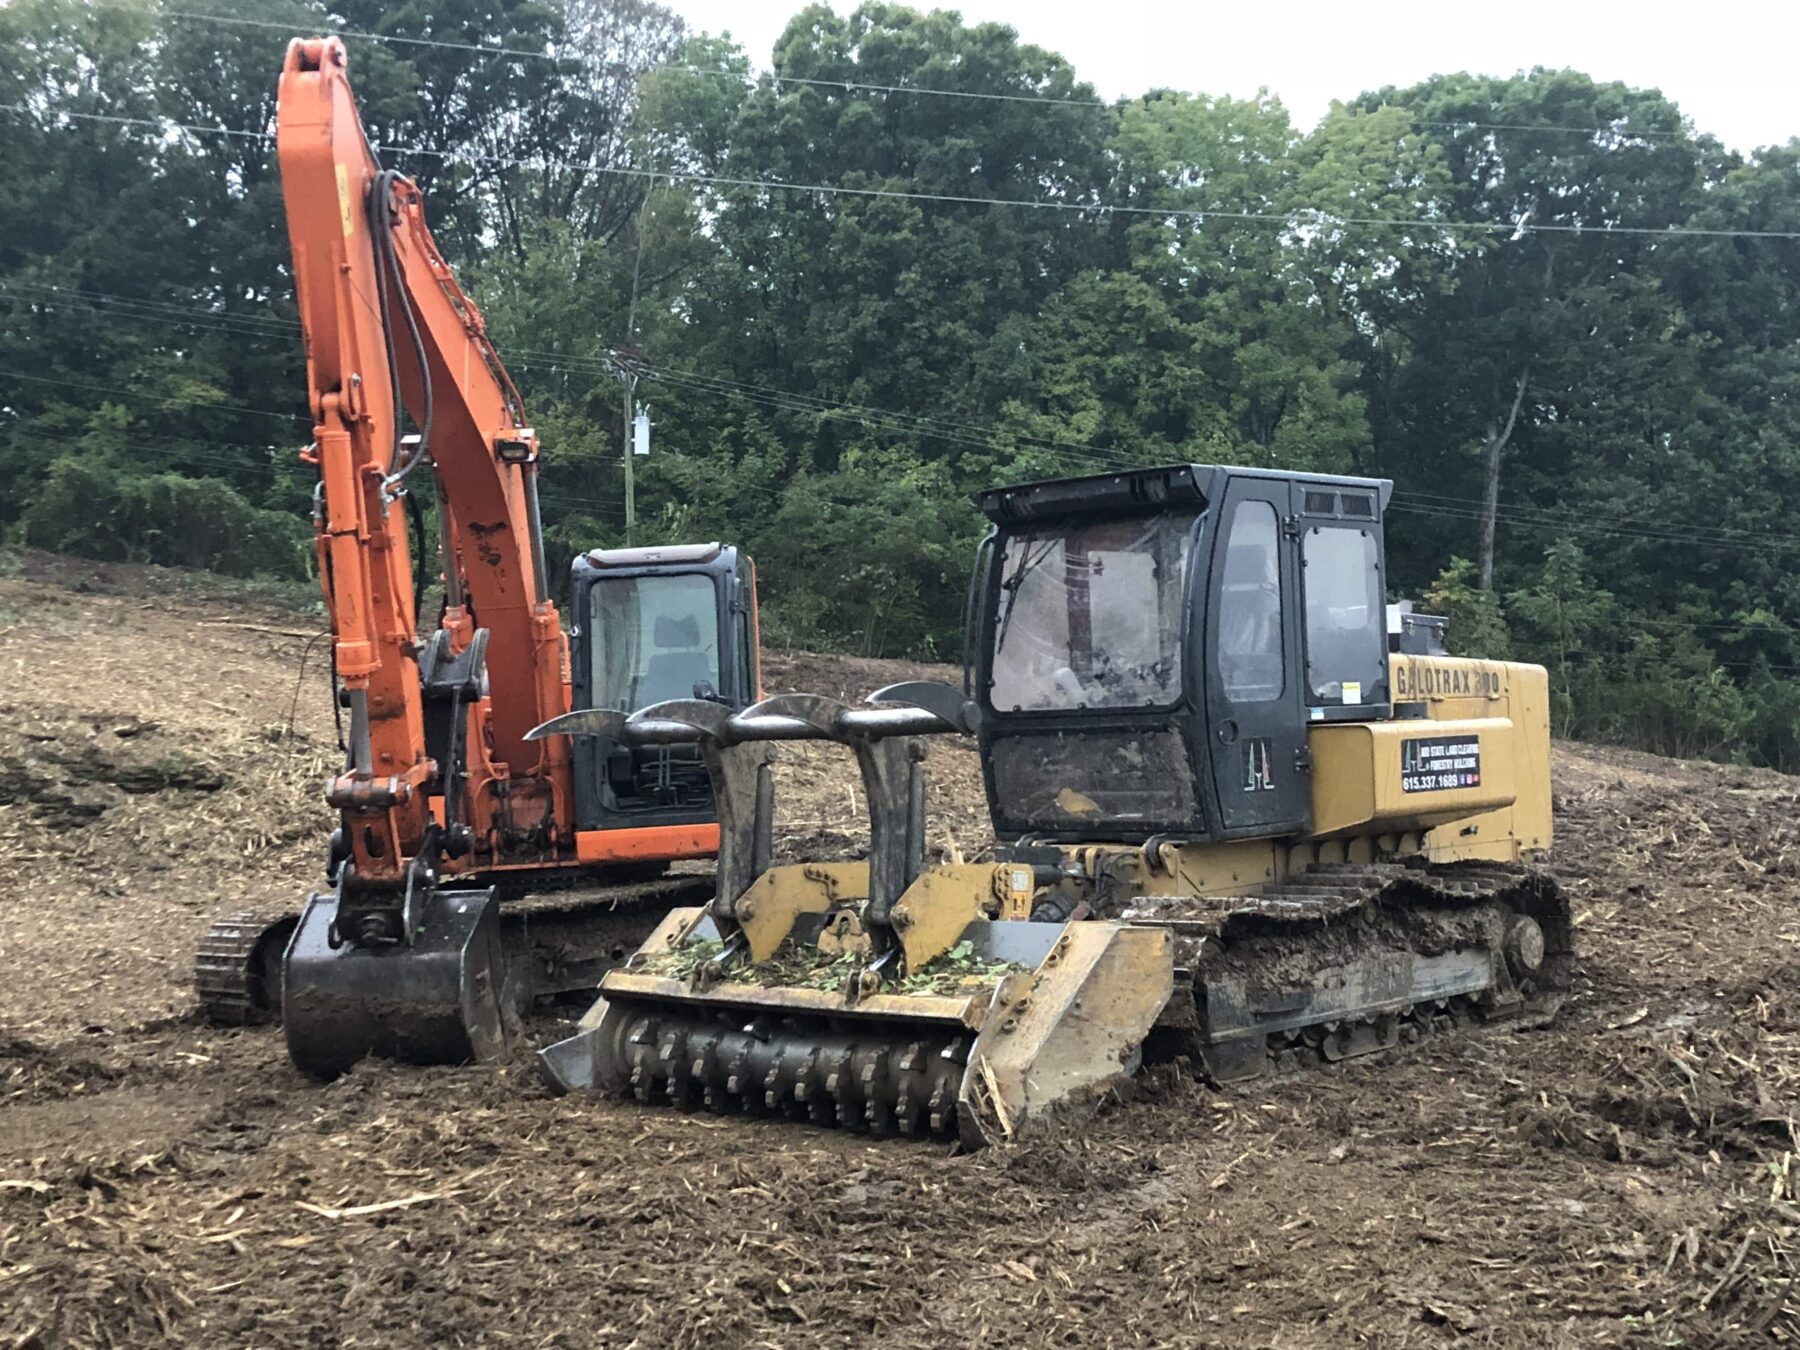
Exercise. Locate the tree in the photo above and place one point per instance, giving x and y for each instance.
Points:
(1476, 369)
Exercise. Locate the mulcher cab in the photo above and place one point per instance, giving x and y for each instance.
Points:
(443, 800)
(1247, 822)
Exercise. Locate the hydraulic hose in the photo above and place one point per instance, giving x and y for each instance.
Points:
(387, 265)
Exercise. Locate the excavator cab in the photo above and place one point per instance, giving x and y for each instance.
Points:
(1154, 646)
(650, 625)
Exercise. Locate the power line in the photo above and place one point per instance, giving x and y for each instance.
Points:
(1308, 217)
(154, 398)
(267, 456)
(1594, 527)
(1564, 516)
(858, 86)
(273, 325)
(965, 433)
(623, 68)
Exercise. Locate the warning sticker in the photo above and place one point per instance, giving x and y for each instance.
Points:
(1440, 763)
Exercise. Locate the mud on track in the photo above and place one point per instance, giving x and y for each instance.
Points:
(1626, 1177)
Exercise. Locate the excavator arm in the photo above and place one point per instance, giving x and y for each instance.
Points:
(387, 327)
(439, 778)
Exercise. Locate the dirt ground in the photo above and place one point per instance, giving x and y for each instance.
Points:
(1627, 1176)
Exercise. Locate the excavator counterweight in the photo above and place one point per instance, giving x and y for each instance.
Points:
(1238, 822)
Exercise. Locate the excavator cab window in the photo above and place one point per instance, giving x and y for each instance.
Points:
(655, 638)
(665, 622)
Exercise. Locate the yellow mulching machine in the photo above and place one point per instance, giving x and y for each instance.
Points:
(1244, 814)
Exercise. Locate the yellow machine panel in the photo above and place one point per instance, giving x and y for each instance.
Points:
(1409, 775)
(1444, 694)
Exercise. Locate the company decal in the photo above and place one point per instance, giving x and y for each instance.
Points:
(1440, 763)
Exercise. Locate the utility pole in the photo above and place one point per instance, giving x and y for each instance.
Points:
(626, 418)
(629, 415)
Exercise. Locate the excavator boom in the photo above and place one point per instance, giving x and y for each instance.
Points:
(438, 775)
(388, 328)
(443, 797)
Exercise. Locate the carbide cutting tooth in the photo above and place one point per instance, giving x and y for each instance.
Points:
(839, 1062)
(941, 1104)
(846, 1115)
(734, 1075)
(641, 1084)
(800, 1088)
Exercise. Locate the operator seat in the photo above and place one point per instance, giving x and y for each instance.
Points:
(679, 663)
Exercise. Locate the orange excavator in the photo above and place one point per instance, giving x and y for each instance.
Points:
(444, 803)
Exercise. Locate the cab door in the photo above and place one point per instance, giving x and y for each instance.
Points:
(745, 639)
(1253, 686)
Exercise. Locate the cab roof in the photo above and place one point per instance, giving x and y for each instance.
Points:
(1146, 489)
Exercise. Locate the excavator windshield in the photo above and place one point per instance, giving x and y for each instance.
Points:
(1089, 614)
(654, 638)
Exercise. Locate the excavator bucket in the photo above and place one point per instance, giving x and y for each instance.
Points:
(879, 994)
(436, 1000)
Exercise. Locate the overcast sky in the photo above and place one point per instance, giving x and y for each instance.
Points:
(1732, 65)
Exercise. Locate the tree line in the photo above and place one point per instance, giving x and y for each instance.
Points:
(855, 289)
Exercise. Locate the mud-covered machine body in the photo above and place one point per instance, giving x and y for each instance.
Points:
(444, 801)
(1237, 819)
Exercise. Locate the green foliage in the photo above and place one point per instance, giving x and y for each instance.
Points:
(97, 508)
(867, 552)
(833, 375)
(1477, 627)
(1567, 623)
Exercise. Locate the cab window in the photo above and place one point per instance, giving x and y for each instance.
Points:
(1345, 616)
(654, 638)
(1250, 605)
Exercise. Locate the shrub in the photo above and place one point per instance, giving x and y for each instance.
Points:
(93, 507)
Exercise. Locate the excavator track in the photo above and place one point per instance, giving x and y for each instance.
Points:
(237, 967)
(1352, 959)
